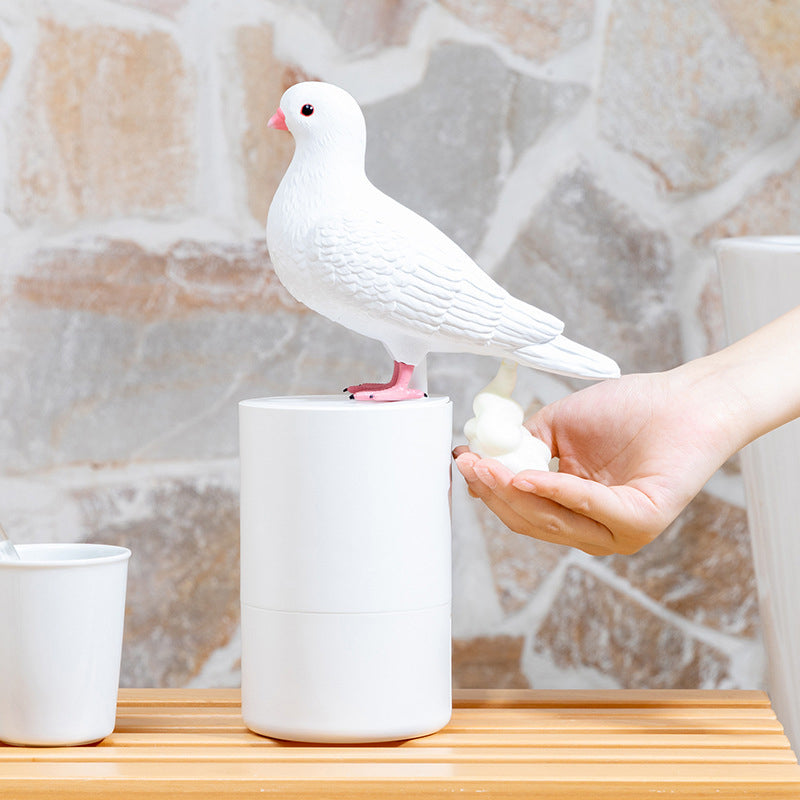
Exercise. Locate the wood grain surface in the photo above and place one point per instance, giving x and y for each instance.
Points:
(499, 744)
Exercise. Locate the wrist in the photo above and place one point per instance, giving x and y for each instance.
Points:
(761, 372)
(717, 404)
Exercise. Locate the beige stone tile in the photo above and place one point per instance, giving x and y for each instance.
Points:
(710, 314)
(112, 351)
(106, 127)
(538, 29)
(183, 581)
(122, 278)
(772, 207)
(683, 92)
(488, 662)
(361, 28)
(5, 60)
(169, 8)
(519, 563)
(700, 567)
(587, 258)
(594, 625)
(264, 78)
(437, 148)
(771, 32)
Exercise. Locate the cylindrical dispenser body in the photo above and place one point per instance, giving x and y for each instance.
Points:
(345, 548)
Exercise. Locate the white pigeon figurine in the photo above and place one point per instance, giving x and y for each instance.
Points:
(359, 258)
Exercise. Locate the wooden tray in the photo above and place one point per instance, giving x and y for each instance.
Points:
(499, 744)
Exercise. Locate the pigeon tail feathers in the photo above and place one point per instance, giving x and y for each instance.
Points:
(565, 357)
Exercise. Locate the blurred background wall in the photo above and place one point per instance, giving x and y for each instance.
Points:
(586, 152)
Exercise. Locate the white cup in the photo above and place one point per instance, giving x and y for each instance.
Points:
(62, 608)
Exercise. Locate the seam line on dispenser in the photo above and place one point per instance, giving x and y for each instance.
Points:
(447, 604)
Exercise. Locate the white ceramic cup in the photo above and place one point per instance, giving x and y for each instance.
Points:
(62, 608)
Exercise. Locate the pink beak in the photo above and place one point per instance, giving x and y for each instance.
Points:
(278, 121)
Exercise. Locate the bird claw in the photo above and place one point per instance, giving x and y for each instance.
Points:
(389, 395)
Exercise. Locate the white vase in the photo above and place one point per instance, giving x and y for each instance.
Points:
(761, 281)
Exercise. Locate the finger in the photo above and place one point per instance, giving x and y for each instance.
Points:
(492, 473)
(465, 461)
(581, 495)
(627, 513)
(466, 465)
(538, 517)
(556, 527)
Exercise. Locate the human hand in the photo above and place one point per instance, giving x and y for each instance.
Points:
(632, 453)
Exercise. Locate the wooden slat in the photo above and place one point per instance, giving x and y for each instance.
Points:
(438, 754)
(490, 698)
(607, 698)
(396, 780)
(496, 739)
(509, 744)
(531, 720)
(337, 771)
(177, 698)
(225, 714)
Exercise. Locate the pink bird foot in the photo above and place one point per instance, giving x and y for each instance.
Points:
(390, 395)
(375, 387)
(397, 389)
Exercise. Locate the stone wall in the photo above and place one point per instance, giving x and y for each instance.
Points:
(586, 152)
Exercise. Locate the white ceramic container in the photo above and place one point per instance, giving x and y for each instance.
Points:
(761, 281)
(345, 554)
(62, 609)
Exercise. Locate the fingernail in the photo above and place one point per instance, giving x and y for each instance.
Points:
(523, 485)
(486, 476)
(467, 471)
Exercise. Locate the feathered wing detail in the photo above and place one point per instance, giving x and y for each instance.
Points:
(565, 357)
(403, 270)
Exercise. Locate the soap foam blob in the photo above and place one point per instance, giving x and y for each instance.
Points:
(496, 431)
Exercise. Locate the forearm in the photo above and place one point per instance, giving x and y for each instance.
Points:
(753, 385)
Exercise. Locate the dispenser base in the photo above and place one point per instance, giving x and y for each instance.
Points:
(358, 677)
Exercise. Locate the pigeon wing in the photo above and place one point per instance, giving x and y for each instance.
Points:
(421, 280)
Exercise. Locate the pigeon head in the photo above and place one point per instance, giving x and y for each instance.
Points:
(322, 117)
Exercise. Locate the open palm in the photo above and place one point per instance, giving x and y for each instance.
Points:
(632, 453)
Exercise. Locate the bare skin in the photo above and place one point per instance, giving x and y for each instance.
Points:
(634, 451)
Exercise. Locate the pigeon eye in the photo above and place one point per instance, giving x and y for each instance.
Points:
(307, 110)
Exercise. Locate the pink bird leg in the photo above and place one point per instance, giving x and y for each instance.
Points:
(396, 389)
